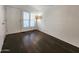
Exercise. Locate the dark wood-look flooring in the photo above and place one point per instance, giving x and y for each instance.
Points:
(36, 42)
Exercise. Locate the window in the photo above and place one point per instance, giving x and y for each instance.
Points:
(32, 20)
(26, 19)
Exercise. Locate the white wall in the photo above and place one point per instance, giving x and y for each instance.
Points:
(62, 22)
(13, 20)
(2, 26)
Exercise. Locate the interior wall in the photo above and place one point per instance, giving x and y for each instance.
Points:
(2, 26)
(15, 21)
(62, 22)
(13, 16)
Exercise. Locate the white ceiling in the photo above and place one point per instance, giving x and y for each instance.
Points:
(32, 8)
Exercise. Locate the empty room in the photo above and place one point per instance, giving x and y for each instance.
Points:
(39, 28)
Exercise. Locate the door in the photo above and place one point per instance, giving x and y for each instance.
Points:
(13, 20)
(2, 26)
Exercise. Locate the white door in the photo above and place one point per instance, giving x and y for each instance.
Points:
(2, 26)
(13, 20)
